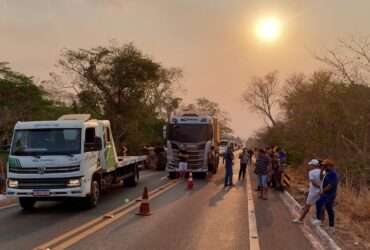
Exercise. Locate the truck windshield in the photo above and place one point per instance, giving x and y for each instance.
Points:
(190, 132)
(37, 142)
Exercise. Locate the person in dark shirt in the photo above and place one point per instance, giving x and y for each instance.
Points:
(244, 159)
(328, 194)
(229, 161)
(262, 168)
(276, 172)
(250, 153)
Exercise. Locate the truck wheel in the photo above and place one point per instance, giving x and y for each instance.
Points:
(172, 175)
(27, 203)
(133, 180)
(200, 175)
(92, 199)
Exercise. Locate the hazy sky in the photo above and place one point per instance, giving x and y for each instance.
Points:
(213, 41)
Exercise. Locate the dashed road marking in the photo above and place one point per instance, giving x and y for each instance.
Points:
(72, 237)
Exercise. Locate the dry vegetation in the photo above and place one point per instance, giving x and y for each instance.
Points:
(352, 211)
(325, 115)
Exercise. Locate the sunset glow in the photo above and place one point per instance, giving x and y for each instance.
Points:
(268, 29)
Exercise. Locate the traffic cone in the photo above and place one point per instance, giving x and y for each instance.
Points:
(190, 181)
(144, 209)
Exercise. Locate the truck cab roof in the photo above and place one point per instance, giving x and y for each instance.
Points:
(186, 119)
(65, 121)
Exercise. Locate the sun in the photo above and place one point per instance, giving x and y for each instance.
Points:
(268, 29)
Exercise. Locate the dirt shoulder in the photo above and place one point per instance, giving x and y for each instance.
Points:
(352, 212)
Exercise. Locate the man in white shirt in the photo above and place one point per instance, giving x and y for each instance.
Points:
(314, 189)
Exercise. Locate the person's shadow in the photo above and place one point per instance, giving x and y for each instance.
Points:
(219, 196)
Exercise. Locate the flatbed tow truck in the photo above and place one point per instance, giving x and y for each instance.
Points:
(72, 157)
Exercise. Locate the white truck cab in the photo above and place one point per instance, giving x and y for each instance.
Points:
(74, 156)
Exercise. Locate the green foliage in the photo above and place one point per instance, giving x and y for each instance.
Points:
(211, 108)
(22, 100)
(123, 85)
(325, 118)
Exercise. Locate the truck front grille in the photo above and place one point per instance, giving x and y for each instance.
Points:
(44, 170)
(52, 183)
(195, 160)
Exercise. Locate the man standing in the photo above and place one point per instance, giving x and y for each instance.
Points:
(327, 194)
(244, 158)
(262, 168)
(229, 161)
(314, 189)
(183, 162)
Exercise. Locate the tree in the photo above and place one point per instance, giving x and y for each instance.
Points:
(22, 100)
(350, 61)
(211, 108)
(123, 85)
(262, 95)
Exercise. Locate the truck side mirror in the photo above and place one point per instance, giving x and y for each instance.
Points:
(165, 132)
(5, 148)
(98, 143)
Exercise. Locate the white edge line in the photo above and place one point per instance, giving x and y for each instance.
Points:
(315, 242)
(293, 204)
(253, 232)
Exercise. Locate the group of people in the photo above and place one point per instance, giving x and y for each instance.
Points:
(270, 164)
(323, 183)
(245, 159)
(269, 169)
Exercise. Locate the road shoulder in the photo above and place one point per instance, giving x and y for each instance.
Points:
(275, 229)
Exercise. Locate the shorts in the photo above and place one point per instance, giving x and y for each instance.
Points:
(262, 180)
(312, 198)
(183, 166)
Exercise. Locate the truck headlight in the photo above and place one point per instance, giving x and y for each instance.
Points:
(12, 183)
(74, 183)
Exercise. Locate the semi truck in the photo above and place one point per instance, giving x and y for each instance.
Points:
(72, 157)
(199, 136)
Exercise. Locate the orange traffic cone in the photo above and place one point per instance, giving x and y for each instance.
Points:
(144, 209)
(190, 181)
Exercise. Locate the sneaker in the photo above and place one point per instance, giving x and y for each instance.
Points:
(316, 222)
(332, 230)
(297, 221)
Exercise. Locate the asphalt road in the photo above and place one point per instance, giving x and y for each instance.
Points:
(207, 217)
(25, 230)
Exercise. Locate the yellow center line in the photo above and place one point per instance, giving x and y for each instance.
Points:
(72, 237)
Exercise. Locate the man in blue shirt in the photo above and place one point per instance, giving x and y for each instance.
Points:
(328, 194)
(229, 161)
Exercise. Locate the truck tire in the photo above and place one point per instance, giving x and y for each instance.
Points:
(133, 180)
(92, 199)
(172, 175)
(200, 175)
(27, 203)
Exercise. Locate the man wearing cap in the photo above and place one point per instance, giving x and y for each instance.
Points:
(327, 194)
(314, 189)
